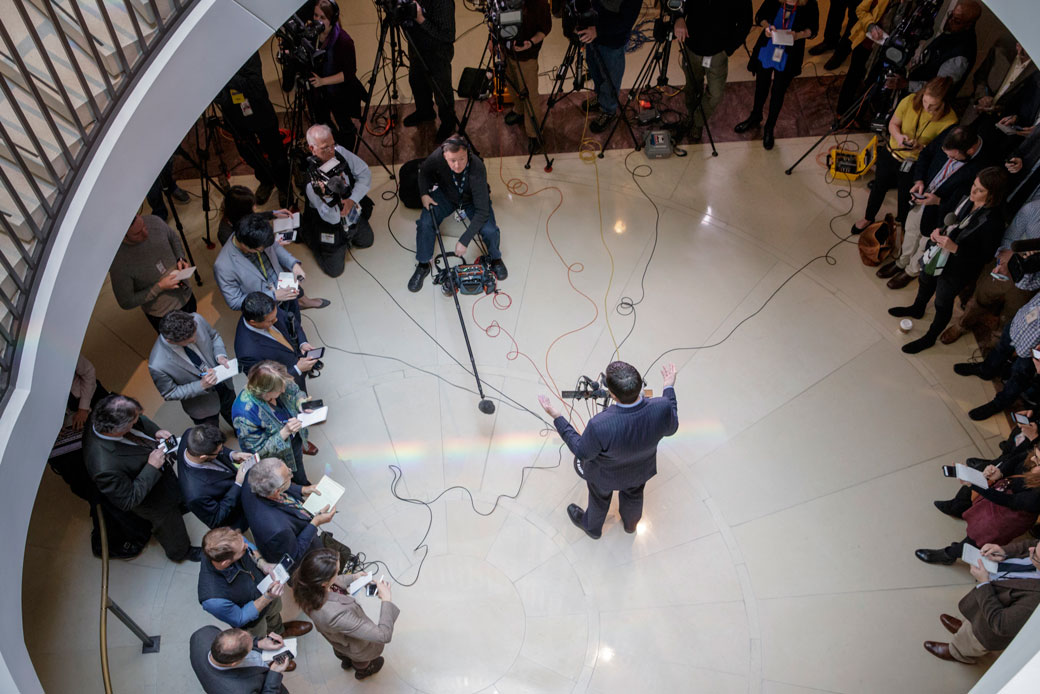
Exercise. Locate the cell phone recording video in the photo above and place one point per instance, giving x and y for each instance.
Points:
(1020, 418)
(370, 589)
(949, 470)
(315, 353)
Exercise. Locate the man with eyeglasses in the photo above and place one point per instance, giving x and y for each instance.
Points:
(333, 222)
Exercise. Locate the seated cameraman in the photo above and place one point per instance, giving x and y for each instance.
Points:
(337, 205)
(454, 180)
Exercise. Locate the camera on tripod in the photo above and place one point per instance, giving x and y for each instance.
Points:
(503, 18)
(578, 15)
(398, 12)
(298, 47)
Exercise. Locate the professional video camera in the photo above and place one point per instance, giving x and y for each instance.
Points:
(577, 16)
(503, 18)
(398, 11)
(332, 176)
(298, 47)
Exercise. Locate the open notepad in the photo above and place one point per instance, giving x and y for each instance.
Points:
(287, 280)
(971, 555)
(331, 491)
(223, 373)
(184, 274)
(282, 224)
(970, 474)
(314, 416)
(289, 645)
(279, 574)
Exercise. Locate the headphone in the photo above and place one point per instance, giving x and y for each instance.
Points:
(457, 141)
(333, 15)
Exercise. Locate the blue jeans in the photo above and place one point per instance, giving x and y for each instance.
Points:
(430, 219)
(1022, 370)
(608, 85)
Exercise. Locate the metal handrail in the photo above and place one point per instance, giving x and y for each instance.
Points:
(61, 79)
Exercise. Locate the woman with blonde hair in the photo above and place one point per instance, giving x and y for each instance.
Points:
(265, 417)
(323, 593)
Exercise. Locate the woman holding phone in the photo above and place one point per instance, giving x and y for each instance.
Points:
(324, 594)
(238, 202)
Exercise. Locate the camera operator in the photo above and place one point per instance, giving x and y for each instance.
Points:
(619, 445)
(521, 54)
(336, 92)
(431, 47)
(717, 28)
(950, 54)
(453, 179)
(605, 43)
(332, 221)
(866, 34)
(249, 115)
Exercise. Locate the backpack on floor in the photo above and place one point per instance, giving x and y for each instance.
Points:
(880, 241)
(408, 177)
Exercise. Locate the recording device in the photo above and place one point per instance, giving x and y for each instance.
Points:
(312, 404)
(1020, 418)
(1020, 266)
(371, 589)
(315, 371)
(918, 196)
(168, 445)
(331, 176)
(949, 470)
(474, 278)
(280, 658)
(315, 354)
(1036, 353)
(398, 12)
(298, 47)
(503, 18)
(587, 390)
(578, 15)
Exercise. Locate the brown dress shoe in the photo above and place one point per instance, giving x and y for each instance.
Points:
(889, 269)
(952, 624)
(939, 650)
(900, 280)
(310, 449)
(296, 628)
(951, 334)
(291, 666)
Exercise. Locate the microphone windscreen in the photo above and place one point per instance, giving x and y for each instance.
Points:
(950, 219)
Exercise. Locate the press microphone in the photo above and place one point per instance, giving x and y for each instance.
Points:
(950, 219)
(594, 394)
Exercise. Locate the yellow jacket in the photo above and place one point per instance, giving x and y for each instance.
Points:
(869, 12)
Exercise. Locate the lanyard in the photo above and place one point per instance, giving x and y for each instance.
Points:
(783, 17)
(260, 258)
(920, 128)
(460, 182)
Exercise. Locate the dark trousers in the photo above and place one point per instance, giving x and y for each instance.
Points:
(780, 81)
(1022, 369)
(227, 399)
(839, 9)
(332, 257)
(164, 182)
(429, 76)
(326, 110)
(945, 292)
(430, 219)
(299, 475)
(265, 154)
(630, 506)
(190, 306)
(166, 518)
(887, 175)
(852, 86)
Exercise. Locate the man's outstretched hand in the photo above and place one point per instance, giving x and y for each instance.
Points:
(668, 375)
(548, 407)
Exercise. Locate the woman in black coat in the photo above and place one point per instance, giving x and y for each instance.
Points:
(957, 254)
(778, 64)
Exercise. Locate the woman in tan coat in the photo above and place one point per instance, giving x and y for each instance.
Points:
(323, 595)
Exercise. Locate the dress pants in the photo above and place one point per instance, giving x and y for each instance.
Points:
(853, 86)
(964, 646)
(909, 260)
(887, 175)
(945, 292)
(630, 506)
(227, 399)
(359, 665)
(299, 475)
(836, 14)
(993, 296)
(696, 96)
(524, 75)
(606, 68)
(1022, 369)
(270, 620)
(429, 76)
(164, 513)
(780, 81)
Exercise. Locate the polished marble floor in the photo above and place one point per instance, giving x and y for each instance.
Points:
(776, 550)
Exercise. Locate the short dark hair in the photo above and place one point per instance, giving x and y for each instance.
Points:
(623, 381)
(115, 412)
(177, 326)
(994, 179)
(229, 647)
(455, 143)
(961, 138)
(205, 439)
(219, 544)
(254, 231)
(256, 306)
(238, 202)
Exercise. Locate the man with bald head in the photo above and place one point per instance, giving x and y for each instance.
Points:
(231, 662)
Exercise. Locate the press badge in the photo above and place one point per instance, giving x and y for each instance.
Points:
(706, 61)
(328, 238)
(247, 110)
(237, 97)
(161, 267)
(778, 54)
(906, 166)
(460, 216)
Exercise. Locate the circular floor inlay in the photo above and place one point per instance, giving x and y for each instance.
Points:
(461, 626)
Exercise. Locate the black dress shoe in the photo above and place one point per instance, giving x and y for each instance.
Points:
(934, 556)
(948, 507)
(630, 529)
(835, 61)
(821, 48)
(748, 123)
(952, 624)
(768, 139)
(900, 280)
(373, 667)
(967, 368)
(577, 515)
(905, 311)
(859, 230)
(514, 118)
(983, 412)
(416, 281)
(939, 650)
(918, 345)
(446, 129)
(346, 663)
(889, 269)
(413, 119)
(499, 268)
(194, 554)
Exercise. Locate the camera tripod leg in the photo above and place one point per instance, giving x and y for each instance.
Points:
(620, 109)
(684, 56)
(184, 239)
(556, 93)
(836, 127)
(523, 93)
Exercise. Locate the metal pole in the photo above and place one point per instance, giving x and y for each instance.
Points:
(150, 644)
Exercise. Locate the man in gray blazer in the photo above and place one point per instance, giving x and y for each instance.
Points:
(618, 448)
(231, 662)
(181, 365)
(251, 262)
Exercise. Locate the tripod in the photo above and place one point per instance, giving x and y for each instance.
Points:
(168, 194)
(393, 31)
(601, 65)
(497, 62)
(657, 61)
(210, 121)
(448, 279)
(557, 94)
(839, 123)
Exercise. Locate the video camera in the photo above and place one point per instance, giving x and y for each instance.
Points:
(504, 18)
(332, 176)
(298, 46)
(398, 12)
(578, 15)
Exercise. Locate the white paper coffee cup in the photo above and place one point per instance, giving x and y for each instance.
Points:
(905, 325)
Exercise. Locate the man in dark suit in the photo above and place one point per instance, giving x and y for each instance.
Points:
(121, 452)
(267, 332)
(274, 510)
(618, 448)
(181, 366)
(211, 477)
(230, 662)
(997, 608)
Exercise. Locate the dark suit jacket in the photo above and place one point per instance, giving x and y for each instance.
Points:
(122, 473)
(999, 609)
(619, 445)
(277, 528)
(928, 166)
(244, 680)
(976, 244)
(252, 348)
(211, 495)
